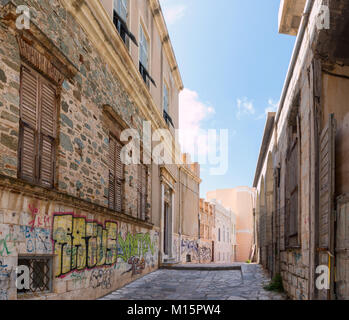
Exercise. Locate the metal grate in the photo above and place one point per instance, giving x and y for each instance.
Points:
(40, 274)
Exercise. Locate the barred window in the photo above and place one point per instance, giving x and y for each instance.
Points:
(37, 138)
(40, 274)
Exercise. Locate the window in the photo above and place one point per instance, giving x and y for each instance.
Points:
(219, 235)
(292, 163)
(166, 100)
(143, 48)
(144, 57)
(37, 138)
(166, 106)
(142, 191)
(116, 175)
(120, 15)
(121, 8)
(40, 274)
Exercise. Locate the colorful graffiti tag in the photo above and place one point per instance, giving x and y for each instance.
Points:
(37, 240)
(133, 250)
(82, 244)
(137, 245)
(4, 248)
(102, 278)
(205, 254)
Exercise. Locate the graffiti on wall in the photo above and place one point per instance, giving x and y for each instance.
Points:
(102, 278)
(133, 250)
(205, 254)
(190, 247)
(83, 244)
(4, 246)
(5, 276)
(37, 240)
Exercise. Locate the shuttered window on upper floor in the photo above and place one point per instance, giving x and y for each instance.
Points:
(142, 191)
(38, 129)
(116, 175)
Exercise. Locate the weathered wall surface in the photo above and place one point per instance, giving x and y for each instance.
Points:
(92, 253)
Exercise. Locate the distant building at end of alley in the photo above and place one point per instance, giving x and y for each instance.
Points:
(241, 200)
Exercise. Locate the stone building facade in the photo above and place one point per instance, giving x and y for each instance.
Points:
(223, 230)
(186, 241)
(207, 230)
(302, 172)
(83, 221)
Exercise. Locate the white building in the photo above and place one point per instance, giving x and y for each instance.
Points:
(225, 234)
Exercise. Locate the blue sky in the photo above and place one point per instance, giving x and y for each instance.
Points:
(233, 63)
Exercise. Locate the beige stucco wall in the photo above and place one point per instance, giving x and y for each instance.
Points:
(159, 67)
(241, 201)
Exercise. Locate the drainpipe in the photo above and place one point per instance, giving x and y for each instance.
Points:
(300, 37)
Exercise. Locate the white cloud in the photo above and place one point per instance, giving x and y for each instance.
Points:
(173, 12)
(192, 112)
(272, 107)
(245, 107)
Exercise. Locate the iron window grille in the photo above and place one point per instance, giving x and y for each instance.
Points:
(40, 274)
(121, 27)
(145, 75)
(168, 119)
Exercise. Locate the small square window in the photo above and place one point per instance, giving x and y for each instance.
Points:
(40, 274)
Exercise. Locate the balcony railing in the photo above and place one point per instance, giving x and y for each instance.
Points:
(121, 26)
(168, 119)
(145, 75)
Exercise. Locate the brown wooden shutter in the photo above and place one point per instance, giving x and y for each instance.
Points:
(28, 124)
(119, 177)
(327, 191)
(111, 163)
(142, 191)
(47, 133)
(116, 175)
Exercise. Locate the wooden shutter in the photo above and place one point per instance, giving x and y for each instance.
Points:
(37, 128)
(326, 193)
(119, 169)
(47, 133)
(142, 191)
(111, 163)
(116, 175)
(28, 124)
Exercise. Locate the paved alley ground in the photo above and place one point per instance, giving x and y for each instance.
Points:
(189, 284)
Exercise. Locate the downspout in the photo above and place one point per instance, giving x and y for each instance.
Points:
(296, 50)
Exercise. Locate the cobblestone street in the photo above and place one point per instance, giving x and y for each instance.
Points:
(244, 284)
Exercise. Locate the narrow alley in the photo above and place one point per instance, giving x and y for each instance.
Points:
(242, 282)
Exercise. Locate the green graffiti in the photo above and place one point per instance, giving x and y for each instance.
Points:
(3, 246)
(135, 246)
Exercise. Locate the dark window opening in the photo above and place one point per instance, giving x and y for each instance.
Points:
(145, 75)
(168, 119)
(121, 27)
(40, 274)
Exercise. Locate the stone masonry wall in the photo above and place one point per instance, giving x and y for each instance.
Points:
(30, 225)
